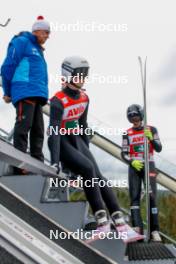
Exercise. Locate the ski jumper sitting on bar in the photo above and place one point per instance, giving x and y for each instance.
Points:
(133, 154)
(68, 110)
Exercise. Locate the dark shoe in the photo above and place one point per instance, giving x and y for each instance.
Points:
(19, 171)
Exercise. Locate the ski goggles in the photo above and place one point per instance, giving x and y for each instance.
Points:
(134, 117)
(81, 72)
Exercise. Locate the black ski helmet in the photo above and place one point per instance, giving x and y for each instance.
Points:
(135, 110)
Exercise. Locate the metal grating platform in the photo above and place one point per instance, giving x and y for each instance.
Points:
(148, 251)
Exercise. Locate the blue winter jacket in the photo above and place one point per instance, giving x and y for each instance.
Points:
(24, 71)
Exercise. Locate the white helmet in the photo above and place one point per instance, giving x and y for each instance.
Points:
(74, 66)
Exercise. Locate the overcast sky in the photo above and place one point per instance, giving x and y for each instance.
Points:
(145, 28)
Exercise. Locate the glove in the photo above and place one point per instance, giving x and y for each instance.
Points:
(137, 164)
(148, 134)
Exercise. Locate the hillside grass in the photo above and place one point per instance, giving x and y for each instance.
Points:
(166, 204)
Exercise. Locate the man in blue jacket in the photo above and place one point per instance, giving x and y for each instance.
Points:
(25, 84)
